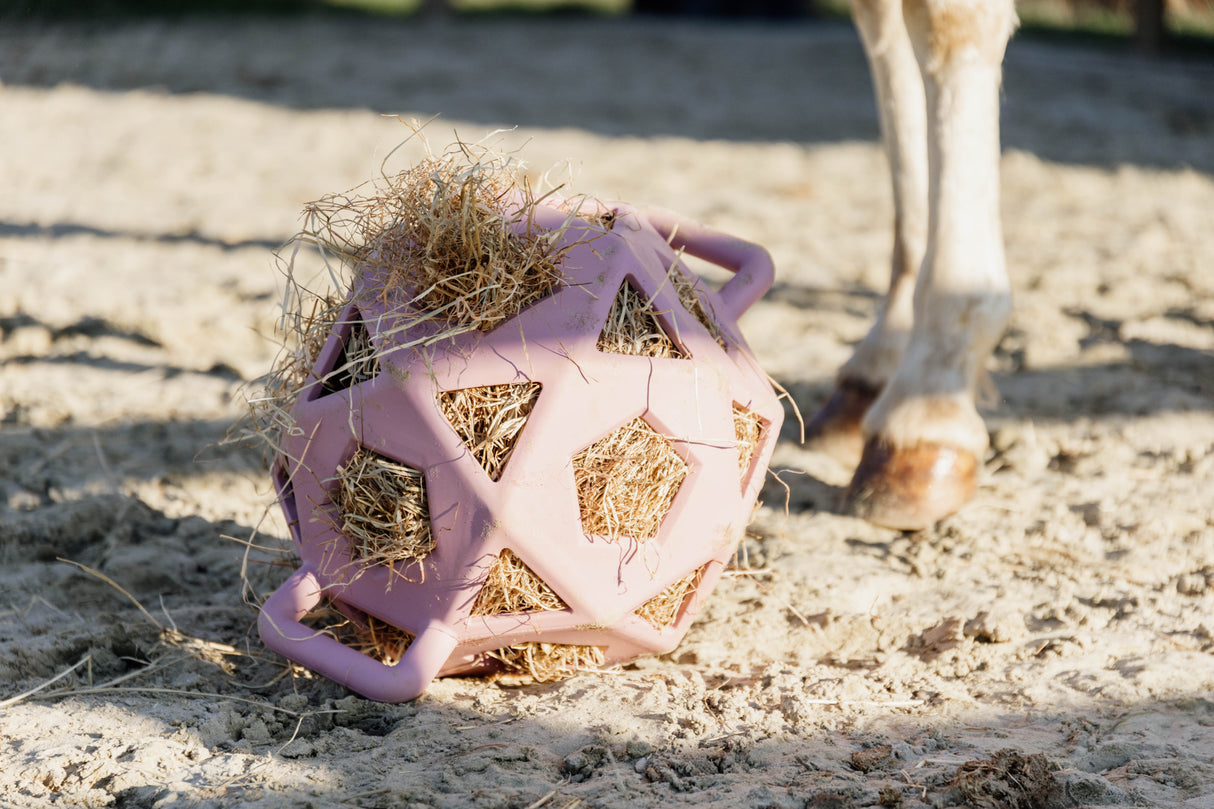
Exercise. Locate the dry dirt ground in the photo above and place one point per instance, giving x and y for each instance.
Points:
(1053, 645)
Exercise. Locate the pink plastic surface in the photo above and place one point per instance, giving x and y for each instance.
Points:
(533, 509)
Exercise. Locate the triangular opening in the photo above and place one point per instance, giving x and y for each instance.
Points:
(633, 327)
(512, 587)
(361, 632)
(748, 428)
(626, 482)
(546, 662)
(356, 359)
(383, 509)
(663, 610)
(489, 420)
(688, 289)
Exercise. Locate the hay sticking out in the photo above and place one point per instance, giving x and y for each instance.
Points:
(356, 359)
(689, 294)
(626, 482)
(489, 419)
(369, 635)
(663, 609)
(546, 662)
(748, 427)
(455, 232)
(632, 327)
(383, 509)
(511, 587)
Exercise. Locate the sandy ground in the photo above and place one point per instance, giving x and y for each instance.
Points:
(1067, 615)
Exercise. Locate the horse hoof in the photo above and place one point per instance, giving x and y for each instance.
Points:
(910, 488)
(835, 429)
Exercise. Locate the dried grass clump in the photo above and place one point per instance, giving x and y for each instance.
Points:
(626, 482)
(748, 426)
(689, 295)
(511, 587)
(632, 328)
(545, 662)
(371, 636)
(383, 509)
(489, 419)
(663, 609)
(455, 232)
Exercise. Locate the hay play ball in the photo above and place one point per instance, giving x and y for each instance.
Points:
(522, 436)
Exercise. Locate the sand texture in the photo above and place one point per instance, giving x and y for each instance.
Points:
(1052, 645)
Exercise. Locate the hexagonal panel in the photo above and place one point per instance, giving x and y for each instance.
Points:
(633, 328)
(512, 587)
(383, 509)
(489, 419)
(626, 482)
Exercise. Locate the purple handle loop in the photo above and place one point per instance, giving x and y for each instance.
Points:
(754, 272)
(281, 630)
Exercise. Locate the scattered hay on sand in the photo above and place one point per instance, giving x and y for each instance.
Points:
(512, 587)
(632, 327)
(663, 609)
(546, 662)
(383, 508)
(626, 482)
(489, 419)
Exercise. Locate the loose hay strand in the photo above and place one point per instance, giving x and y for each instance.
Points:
(627, 481)
(512, 587)
(383, 508)
(489, 420)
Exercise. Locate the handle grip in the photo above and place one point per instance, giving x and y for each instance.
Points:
(281, 630)
(754, 271)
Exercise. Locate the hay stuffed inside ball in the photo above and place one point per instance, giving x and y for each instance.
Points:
(519, 435)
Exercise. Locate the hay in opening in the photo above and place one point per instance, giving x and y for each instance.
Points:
(663, 609)
(356, 360)
(632, 327)
(383, 509)
(450, 243)
(368, 635)
(748, 427)
(688, 292)
(489, 420)
(546, 662)
(455, 232)
(626, 482)
(512, 587)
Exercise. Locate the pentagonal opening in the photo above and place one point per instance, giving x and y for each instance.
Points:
(664, 609)
(356, 360)
(489, 420)
(691, 295)
(545, 662)
(748, 427)
(363, 633)
(383, 509)
(512, 587)
(633, 327)
(627, 481)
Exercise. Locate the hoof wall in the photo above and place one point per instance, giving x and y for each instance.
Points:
(835, 429)
(912, 488)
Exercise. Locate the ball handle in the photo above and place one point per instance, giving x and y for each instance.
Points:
(754, 271)
(281, 630)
